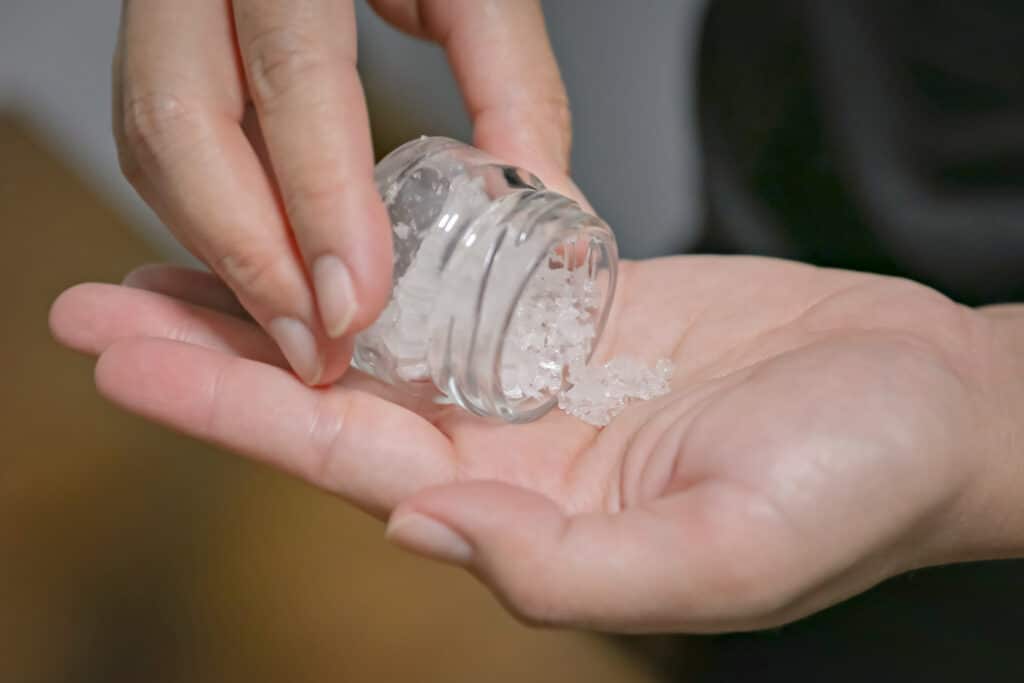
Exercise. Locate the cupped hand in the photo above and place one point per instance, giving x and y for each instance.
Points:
(824, 431)
(243, 125)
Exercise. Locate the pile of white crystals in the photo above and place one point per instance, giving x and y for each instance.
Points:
(403, 325)
(549, 339)
(545, 349)
(596, 394)
(552, 328)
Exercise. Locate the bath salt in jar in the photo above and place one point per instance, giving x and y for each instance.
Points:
(499, 283)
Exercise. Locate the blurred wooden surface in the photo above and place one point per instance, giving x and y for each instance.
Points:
(128, 553)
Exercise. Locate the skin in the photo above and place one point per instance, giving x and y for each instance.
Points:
(825, 430)
(243, 124)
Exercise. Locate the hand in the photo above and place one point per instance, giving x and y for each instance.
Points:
(243, 125)
(826, 430)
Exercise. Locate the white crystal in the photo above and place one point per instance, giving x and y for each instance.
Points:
(551, 327)
(402, 230)
(598, 394)
(391, 194)
(547, 344)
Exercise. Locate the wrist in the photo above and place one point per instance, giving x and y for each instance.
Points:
(989, 517)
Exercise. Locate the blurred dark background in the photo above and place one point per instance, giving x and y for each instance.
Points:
(874, 135)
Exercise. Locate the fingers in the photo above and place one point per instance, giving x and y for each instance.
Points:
(179, 98)
(188, 284)
(300, 63)
(695, 561)
(508, 76)
(352, 443)
(90, 317)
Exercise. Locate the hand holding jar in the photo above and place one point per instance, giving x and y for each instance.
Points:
(823, 430)
(243, 125)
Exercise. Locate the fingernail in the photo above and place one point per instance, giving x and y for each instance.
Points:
(427, 536)
(298, 346)
(334, 294)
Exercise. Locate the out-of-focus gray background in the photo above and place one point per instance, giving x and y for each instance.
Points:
(635, 149)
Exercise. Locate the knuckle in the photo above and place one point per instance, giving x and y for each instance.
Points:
(741, 579)
(279, 60)
(755, 584)
(253, 273)
(130, 166)
(327, 433)
(559, 113)
(532, 614)
(314, 194)
(752, 594)
(528, 601)
(150, 123)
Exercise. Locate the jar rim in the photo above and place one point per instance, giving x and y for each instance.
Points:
(596, 232)
(520, 226)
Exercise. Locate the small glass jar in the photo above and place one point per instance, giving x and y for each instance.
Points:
(470, 235)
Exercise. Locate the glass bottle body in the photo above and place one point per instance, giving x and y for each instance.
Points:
(482, 252)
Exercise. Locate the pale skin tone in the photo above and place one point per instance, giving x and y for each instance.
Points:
(825, 429)
(242, 123)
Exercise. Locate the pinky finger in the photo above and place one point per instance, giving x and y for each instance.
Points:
(188, 284)
(91, 317)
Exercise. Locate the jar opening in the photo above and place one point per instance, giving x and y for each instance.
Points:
(559, 314)
(499, 283)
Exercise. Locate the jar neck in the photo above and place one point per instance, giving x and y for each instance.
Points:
(483, 280)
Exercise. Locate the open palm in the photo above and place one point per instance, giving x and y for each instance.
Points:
(809, 448)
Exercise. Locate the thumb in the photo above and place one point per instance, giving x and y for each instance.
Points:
(656, 567)
(495, 529)
(499, 532)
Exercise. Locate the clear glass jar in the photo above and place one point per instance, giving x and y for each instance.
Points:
(470, 236)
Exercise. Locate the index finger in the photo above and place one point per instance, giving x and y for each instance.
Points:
(299, 58)
(508, 75)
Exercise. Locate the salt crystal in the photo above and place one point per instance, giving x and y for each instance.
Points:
(598, 394)
(402, 230)
(391, 194)
(547, 344)
(549, 340)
